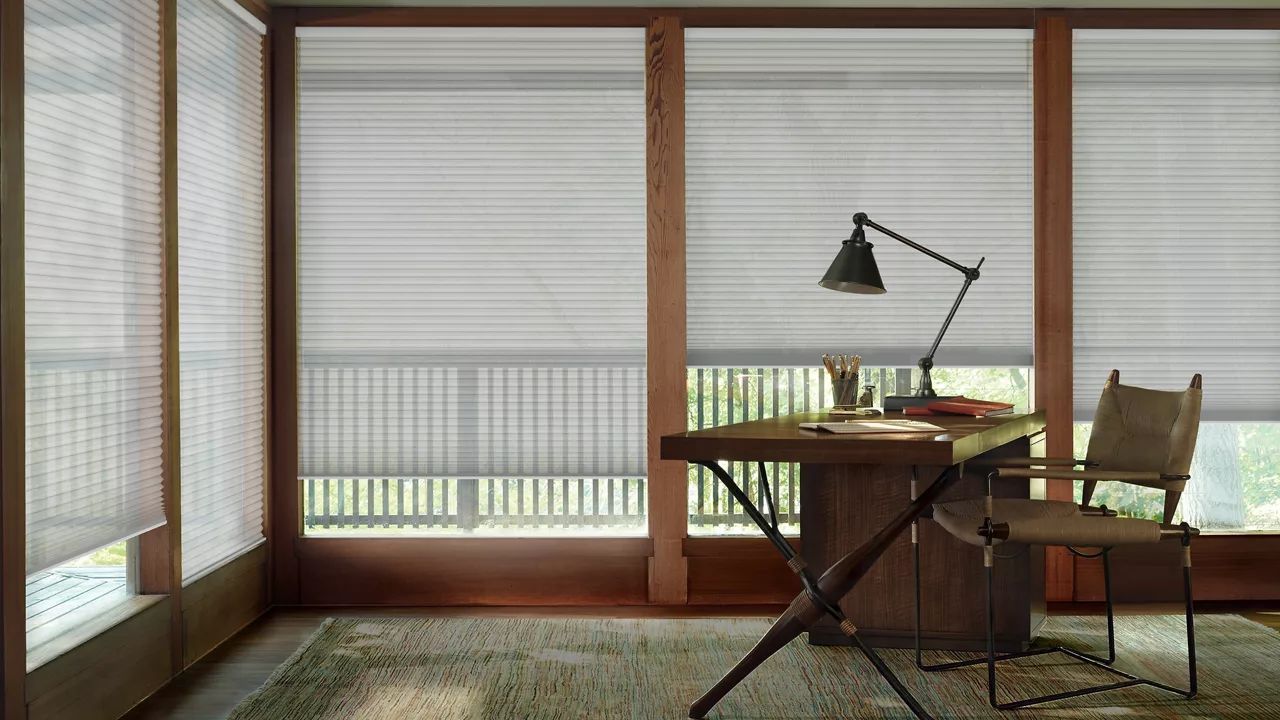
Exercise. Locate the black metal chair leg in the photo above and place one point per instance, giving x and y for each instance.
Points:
(1128, 680)
(991, 658)
(1111, 614)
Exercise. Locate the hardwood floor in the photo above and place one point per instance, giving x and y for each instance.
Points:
(211, 688)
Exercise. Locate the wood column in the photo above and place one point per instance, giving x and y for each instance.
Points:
(1052, 267)
(286, 506)
(13, 520)
(159, 559)
(668, 386)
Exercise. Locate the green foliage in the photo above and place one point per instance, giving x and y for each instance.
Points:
(112, 556)
(1259, 465)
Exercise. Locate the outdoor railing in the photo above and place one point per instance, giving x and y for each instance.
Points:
(717, 396)
(471, 504)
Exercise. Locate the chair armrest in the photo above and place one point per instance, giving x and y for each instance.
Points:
(1156, 480)
(1022, 462)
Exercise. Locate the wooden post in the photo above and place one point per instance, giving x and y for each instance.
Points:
(13, 556)
(286, 506)
(668, 387)
(1053, 271)
(160, 550)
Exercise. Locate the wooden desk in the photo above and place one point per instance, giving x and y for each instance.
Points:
(856, 501)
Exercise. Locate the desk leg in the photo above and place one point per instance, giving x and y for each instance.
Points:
(814, 602)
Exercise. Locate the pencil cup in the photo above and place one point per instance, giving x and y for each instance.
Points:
(844, 391)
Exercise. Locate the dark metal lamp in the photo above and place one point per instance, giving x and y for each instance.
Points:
(854, 271)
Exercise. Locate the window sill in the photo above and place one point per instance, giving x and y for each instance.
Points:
(56, 639)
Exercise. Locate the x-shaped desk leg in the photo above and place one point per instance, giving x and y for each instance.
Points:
(816, 600)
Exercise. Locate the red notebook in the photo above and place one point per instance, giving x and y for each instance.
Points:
(961, 406)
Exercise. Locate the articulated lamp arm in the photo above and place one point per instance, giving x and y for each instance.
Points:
(970, 275)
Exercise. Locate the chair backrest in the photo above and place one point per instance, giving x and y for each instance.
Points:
(1146, 430)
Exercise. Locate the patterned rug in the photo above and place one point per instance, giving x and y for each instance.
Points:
(540, 669)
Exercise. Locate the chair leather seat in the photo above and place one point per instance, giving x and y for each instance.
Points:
(1043, 522)
(962, 518)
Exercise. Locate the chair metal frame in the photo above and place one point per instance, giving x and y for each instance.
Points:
(990, 533)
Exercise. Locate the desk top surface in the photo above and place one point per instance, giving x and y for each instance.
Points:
(781, 439)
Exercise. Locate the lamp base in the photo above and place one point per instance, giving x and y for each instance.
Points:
(895, 403)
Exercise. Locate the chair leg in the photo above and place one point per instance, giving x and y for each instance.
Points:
(1192, 688)
(1128, 680)
(1111, 615)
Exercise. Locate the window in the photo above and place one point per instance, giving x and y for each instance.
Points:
(791, 131)
(93, 276)
(221, 266)
(472, 279)
(1176, 135)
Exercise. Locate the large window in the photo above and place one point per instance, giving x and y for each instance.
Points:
(472, 279)
(221, 246)
(93, 277)
(1177, 207)
(791, 131)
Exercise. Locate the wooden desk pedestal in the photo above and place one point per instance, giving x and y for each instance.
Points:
(843, 505)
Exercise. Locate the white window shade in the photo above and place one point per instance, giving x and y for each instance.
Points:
(93, 275)
(1176, 138)
(221, 247)
(472, 252)
(791, 131)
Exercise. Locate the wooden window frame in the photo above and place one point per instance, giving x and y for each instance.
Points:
(677, 569)
(668, 567)
(134, 650)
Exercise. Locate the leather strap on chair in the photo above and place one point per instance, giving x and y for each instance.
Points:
(1085, 531)
(1143, 478)
(797, 564)
(1021, 462)
(848, 628)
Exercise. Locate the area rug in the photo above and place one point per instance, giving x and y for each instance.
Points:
(611, 669)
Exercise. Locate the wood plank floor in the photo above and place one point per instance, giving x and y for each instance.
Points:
(211, 688)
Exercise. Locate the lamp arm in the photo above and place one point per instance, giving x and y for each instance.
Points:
(968, 280)
(970, 275)
(862, 218)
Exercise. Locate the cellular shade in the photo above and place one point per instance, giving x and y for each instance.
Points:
(93, 275)
(221, 236)
(791, 131)
(471, 259)
(1177, 208)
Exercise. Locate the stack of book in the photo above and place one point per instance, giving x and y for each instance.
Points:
(961, 405)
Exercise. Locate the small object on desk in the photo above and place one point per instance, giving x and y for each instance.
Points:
(961, 405)
(868, 396)
(899, 403)
(840, 410)
(844, 392)
(862, 427)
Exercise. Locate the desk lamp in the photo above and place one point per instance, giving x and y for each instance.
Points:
(854, 271)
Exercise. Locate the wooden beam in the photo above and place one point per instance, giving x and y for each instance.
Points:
(1190, 19)
(286, 505)
(13, 637)
(857, 17)
(687, 17)
(668, 384)
(473, 17)
(221, 603)
(160, 550)
(1052, 266)
(474, 571)
(267, 331)
(257, 8)
(1224, 567)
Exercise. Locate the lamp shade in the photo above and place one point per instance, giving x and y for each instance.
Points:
(854, 270)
